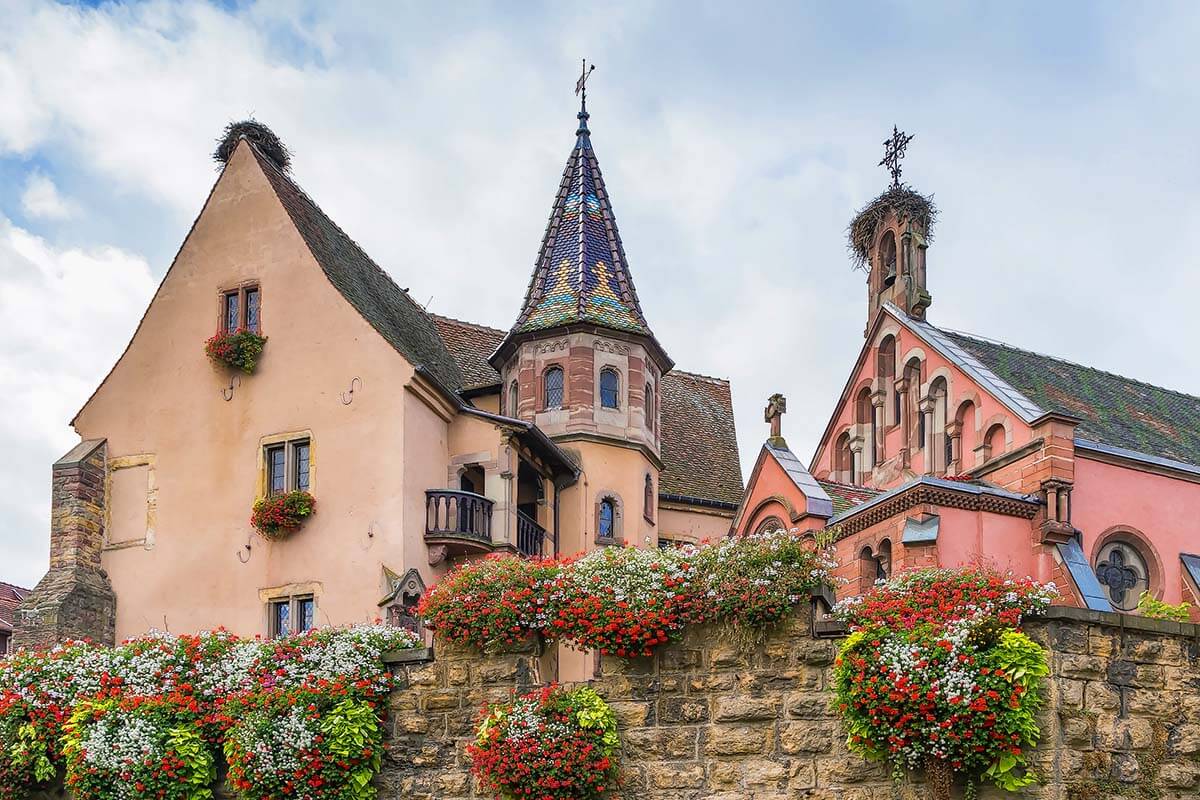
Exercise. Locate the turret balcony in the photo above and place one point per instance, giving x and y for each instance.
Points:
(459, 521)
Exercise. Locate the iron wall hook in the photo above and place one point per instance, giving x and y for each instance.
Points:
(348, 398)
(234, 382)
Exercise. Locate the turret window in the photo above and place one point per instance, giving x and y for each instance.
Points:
(513, 399)
(607, 527)
(648, 500)
(650, 407)
(554, 387)
(610, 388)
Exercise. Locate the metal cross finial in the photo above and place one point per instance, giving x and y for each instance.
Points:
(581, 84)
(893, 151)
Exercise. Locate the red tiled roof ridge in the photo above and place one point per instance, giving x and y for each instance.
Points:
(698, 376)
(456, 321)
(1067, 361)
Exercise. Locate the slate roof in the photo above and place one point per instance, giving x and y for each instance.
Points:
(10, 597)
(699, 440)
(846, 496)
(1114, 410)
(470, 344)
(373, 293)
(581, 273)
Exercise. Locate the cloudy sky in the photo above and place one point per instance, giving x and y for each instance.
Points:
(735, 138)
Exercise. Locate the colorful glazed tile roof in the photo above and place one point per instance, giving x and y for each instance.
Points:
(1115, 411)
(699, 440)
(581, 274)
(846, 496)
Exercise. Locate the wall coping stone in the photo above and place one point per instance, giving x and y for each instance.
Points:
(420, 655)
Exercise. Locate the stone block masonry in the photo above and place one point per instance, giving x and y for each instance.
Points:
(714, 718)
(75, 599)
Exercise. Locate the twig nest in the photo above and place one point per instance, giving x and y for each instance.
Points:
(900, 199)
(257, 134)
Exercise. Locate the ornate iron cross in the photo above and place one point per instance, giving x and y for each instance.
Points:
(893, 151)
(581, 84)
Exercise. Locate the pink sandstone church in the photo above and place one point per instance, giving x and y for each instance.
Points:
(427, 440)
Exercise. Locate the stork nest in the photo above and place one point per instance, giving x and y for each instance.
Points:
(899, 199)
(257, 134)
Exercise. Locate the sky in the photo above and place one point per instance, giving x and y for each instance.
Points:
(736, 140)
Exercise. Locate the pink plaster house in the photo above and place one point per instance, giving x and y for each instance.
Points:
(424, 439)
(949, 449)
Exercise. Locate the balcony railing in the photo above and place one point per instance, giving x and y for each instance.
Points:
(458, 515)
(530, 536)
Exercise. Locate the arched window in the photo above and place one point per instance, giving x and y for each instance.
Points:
(864, 413)
(553, 380)
(1123, 571)
(648, 500)
(887, 258)
(606, 527)
(912, 376)
(884, 560)
(995, 440)
(610, 388)
(868, 569)
(966, 436)
(513, 399)
(886, 370)
(651, 409)
(843, 459)
(769, 525)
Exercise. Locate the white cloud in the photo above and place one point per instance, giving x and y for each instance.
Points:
(65, 317)
(41, 199)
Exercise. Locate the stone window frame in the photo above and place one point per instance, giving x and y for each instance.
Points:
(289, 440)
(887, 379)
(116, 464)
(618, 531)
(514, 398)
(1138, 541)
(770, 525)
(293, 594)
(553, 365)
(648, 497)
(241, 289)
(650, 406)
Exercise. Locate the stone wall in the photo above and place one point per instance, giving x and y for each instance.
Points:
(708, 718)
(74, 600)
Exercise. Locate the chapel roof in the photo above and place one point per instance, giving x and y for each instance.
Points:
(10, 597)
(846, 496)
(581, 274)
(699, 440)
(1113, 410)
(385, 306)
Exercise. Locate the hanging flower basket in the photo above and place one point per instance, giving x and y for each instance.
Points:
(238, 349)
(277, 517)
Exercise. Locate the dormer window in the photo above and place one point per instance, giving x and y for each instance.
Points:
(610, 388)
(240, 309)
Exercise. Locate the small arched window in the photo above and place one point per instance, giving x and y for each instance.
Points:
(513, 398)
(1122, 570)
(887, 258)
(648, 499)
(843, 459)
(651, 409)
(769, 525)
(554, 387)
(607, 525)
(887, 379)
(884, 560)
(610, 388)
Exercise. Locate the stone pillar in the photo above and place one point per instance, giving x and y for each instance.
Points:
(905, 422)
(954, 431)
(880, 423)
(926, 407)
(858, 465)
(75, 599)
(1056, 528)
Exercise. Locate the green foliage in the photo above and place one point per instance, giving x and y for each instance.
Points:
(1149, 606)
(239, 349)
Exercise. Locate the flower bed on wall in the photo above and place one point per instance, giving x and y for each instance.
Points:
(623, 600)
(238, 349)
(279, 516)
(936, 676)
(147, 719)
(550, 744)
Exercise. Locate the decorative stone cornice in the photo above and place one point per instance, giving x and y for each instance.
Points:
(919, 493)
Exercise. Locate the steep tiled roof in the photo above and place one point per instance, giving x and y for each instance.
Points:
(10, 597)
(846, 496)
(699, 441)
(375, 296)
(581, 274)
(470, 345)
(1114, 410)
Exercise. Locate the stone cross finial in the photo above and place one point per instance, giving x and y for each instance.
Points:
(776, 407)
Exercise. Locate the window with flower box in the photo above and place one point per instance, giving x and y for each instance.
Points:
(287, 466)
(241, 309)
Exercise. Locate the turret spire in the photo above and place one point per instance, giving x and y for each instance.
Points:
(581, 92)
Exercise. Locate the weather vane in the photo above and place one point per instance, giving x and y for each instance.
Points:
(893, 151)
(581, 84)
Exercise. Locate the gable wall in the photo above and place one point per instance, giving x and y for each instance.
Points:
(891, 471)
(162, 406)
